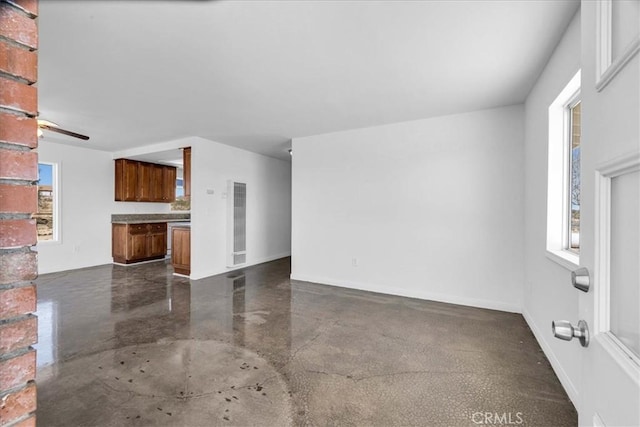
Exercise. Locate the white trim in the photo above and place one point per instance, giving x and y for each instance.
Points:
(606, 66)
(567, 259)
(558, 175)
(597, 421)
(240, 267)
(605, 172)
(181, 275)
(602, 231)
(57, 196)
(628, 361)
(603, 37)
(620, 165)
(566, 382)
(430, 296)
(56, 189)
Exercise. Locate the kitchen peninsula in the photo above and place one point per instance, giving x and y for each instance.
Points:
(181, 249)
(141, 237)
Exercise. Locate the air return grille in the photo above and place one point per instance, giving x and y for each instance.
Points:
(237, 223)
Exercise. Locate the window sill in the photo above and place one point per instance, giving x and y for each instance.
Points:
(567, 259)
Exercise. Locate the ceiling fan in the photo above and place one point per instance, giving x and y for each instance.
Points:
(53, 127)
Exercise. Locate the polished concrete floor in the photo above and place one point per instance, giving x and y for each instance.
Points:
(136, 346)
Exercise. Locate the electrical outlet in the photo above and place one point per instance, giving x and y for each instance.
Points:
(354, 262)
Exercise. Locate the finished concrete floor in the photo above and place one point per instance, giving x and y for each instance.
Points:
(135, 345)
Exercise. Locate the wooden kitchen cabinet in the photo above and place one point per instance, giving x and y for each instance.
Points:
(158, 240)
(181, 249)
(144, 182)
(156, 183)
(138, 242)
(169, 176)
(126, 180)
(186, 165)
(137, 181)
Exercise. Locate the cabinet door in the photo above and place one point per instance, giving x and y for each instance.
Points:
(130, 180)
(119, 242)
(181, 250)
(137, 246)
(119, 175)
(157, 244)
(186, 164)
(157, 239)
(156, 183)
(169, 193)
(144, 182)
(126, 180)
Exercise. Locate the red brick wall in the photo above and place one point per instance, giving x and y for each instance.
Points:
(18, 201)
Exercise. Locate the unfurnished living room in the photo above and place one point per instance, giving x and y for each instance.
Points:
(371, 213)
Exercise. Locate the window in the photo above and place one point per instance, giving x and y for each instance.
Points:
(182, 203)
(563, 181)
(179, 187)
(573, 237)
(47, 215)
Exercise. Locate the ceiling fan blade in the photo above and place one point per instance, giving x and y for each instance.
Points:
(63, 131)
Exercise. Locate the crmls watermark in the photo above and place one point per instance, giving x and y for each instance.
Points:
(497, 419)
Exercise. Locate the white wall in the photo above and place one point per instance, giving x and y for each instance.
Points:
(429, 209)
(268, 205)
(86, 193)
(548, 292)
(268, 202)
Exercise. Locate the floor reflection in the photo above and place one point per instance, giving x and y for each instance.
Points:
(115, 306)
(116, 343)
(238, 285)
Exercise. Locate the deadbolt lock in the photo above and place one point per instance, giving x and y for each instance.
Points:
(580, 279)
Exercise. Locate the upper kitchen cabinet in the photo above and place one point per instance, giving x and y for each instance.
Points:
(186, 165)
(126, 180)
(169, 176)
(144, 182)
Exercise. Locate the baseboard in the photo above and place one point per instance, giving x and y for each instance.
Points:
(228, 269)
(45, 270)
(431, 296)
(566, 382)
(271, 258)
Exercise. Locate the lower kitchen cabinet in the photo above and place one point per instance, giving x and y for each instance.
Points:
(138, 242)
(181, 249)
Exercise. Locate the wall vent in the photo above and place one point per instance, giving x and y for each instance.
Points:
(236, 223)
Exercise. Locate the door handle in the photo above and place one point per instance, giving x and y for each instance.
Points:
(580, 279)
(564, 330)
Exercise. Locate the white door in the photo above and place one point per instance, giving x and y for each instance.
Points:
(610, 212)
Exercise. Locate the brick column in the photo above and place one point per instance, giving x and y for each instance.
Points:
(18, 201)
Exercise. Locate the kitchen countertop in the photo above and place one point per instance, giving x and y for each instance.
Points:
(149, 218)
(154, 221)
(182, 225)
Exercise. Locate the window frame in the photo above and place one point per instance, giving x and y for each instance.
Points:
(573, 102)
(56, 235)
(558, 243)
(172, 206)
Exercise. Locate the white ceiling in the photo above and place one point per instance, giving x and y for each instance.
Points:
(256, 74)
